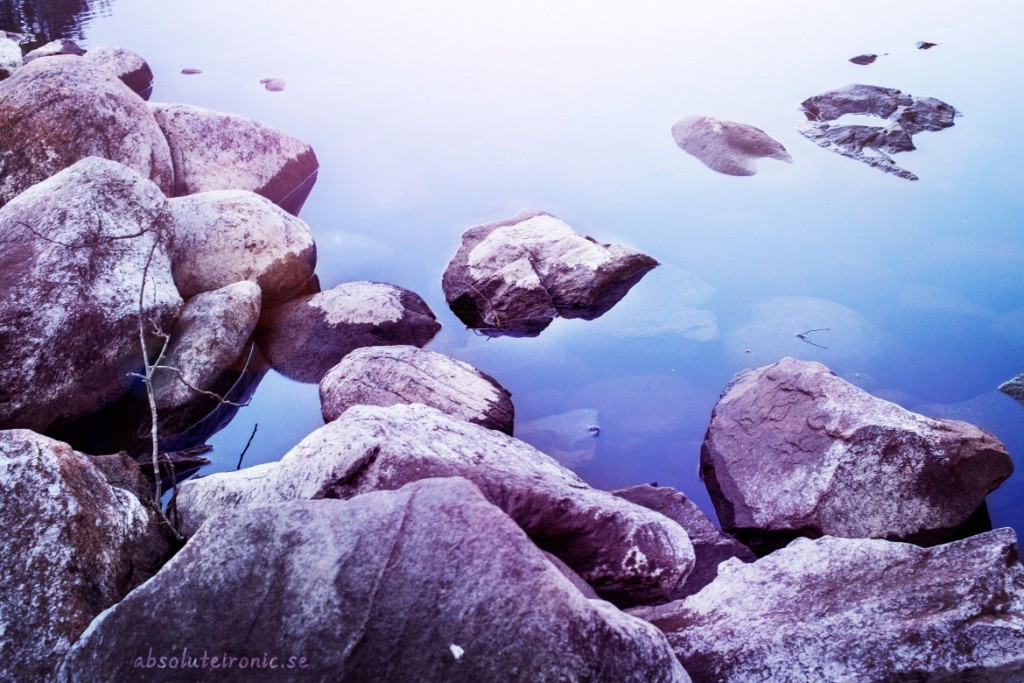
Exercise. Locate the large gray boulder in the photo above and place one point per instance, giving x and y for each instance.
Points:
(59, 110)
(726, 146)
(226, 236)
(900, 117)
(427, 583)
(711, 547)
(73, 546)
(389, 375)
(10, 55)
(128, 66)
(55, 48)
(306, 337)
(217, 151)
(1014, 387)
(628, 553)
(76, 248)
(793, 449)
(513, 277)
(858, 610)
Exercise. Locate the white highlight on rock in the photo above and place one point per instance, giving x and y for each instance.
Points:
(360, 303)
(457, 651)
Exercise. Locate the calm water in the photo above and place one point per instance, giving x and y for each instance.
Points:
(430, 118)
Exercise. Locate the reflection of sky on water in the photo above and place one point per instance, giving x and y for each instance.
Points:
(431, 118)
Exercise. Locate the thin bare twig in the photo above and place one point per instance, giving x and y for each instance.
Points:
(254, 427)
(803, 336)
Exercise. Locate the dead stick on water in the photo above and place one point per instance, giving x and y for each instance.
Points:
(254, 428)
(803, 337)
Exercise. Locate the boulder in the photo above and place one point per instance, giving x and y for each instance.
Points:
(55, 48)
(627, 553)
(129, 66)
(225, 236)
(10, 56)
(306, 337)
(726, 146)
(838, 609)
(793, 449)
(1014, 387)
(711, 547)
(864, 60)
(902, 116)
(217, 151)
(57, 111)
(427, 583)
(73, 546)
(388, 375)
(76, 250)
(514, 277)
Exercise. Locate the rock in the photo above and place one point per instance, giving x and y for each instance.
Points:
(711, 547)
(73, 546)
(838, 609)
(76, 247)
(627, 553)
(61, 46)
(864, 60)
(217, 151)
(427, 583)
(226, 236)
(726, 146)
(925, 45)
(10, 56)
(794, 450)
(56, 111)
(903, 117)
(513, 277)
(571, 438)
(273, 84)
(306, 337)
(389, 375)
(131, 68)
(1014, 387)
(191, 72)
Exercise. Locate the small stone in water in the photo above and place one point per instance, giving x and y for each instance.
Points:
(191, 72)
(864, 60)
(273, 84)
(925, 45)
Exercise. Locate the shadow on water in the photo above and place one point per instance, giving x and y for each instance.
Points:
(47, 20)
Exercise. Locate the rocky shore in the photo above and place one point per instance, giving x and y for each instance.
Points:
(155, 268)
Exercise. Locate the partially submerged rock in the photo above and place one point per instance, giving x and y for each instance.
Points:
(628, 553)
(512, 278)
(726, 146)
(711, 547)
(77, 249)
(794, 450)
(427, 583)
(903, 116)
(864, 60)
(226, 236)
(389, 375)
(61, 46)
(73, 546)
(129, 66)
(857, 610)
(306, 337)
(57, 111)
(1014, 388)
(925, 45)
(217, 151)
(273, 84)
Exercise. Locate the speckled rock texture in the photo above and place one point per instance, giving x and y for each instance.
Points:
(73, 545)
(306, 337)
(427, 583)
(75, 248)
(726, 146)
(226, 236)
(389, 375)
(1014, 387)
(217, 151)
(899, 116)
(628, 553)
(513, 277)
(858, 611)
(10, 55)
(711, 547)
(128, 66)
(59, 110)
(793, 449)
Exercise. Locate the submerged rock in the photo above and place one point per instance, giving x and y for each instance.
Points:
(427, 583)
(226, 236)
(513, 277)
(903, 117)
(61, 46)
(838, 609)
(57, 111)
(726, 146)
(131, 68)
(76, 250)
(571, 438)
(864, 60)
(627, 553)
(794, 450)
(389, 375)
(711, 547)
(306, 337)
(73, 546)
(1014, 388)
(217, 151)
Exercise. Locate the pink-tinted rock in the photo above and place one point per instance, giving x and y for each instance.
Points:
(726, 146)
(129, 66)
